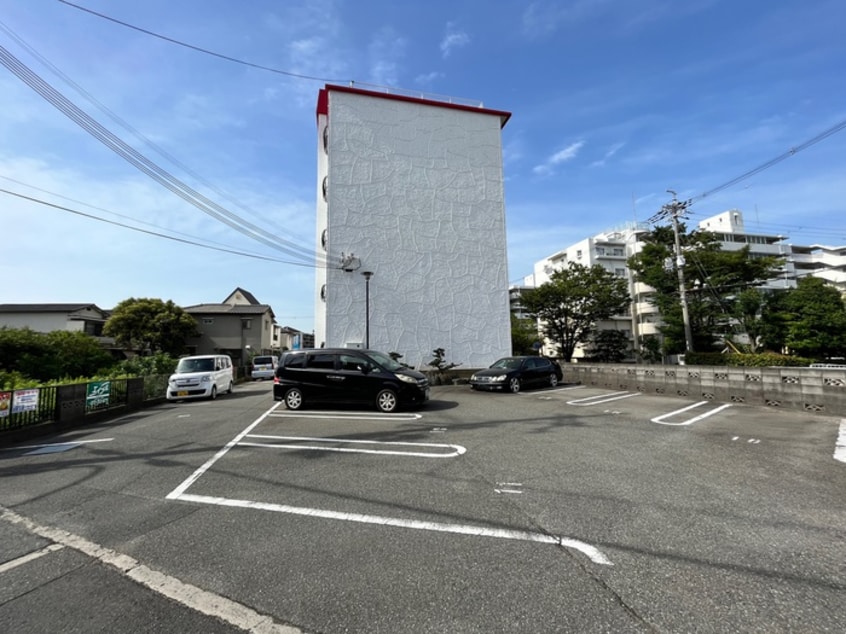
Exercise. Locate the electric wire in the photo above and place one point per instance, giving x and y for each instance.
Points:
(774, 161)
(147, 231)
(138, 135)
(137, 159)
(199, 49)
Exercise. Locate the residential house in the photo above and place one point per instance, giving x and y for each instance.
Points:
(240, 327)
(87, 318)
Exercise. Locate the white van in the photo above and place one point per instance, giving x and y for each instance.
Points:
(201, 376)
(263, 366)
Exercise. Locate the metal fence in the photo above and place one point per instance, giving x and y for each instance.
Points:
(68, 405)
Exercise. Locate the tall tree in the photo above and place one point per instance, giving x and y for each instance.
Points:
(524, 335)
(816, 326)
(573, 300)
(715, 280)
(150, 325)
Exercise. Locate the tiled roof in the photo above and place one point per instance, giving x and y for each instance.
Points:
(228, 309)
(46, 308)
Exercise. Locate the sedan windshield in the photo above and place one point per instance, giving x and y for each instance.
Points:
(509, 363)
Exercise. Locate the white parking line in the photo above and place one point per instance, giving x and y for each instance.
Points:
(661, 419)
(20, 561)
(593, 553)
(179, 493)
(69, 444)
(840, 447)
(237, 614)
(345, 415)
(602, 398)
(457, 450)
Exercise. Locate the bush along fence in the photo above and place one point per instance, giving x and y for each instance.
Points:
(28, 411)
(815, 390)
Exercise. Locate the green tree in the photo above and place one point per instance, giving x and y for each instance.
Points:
(150, 325)
(53, 355)
(715, 283)
(816, 326)
(524, 335)
(607, 346)
(573, 300)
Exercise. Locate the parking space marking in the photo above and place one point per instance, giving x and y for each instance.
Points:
(602, 398)
(179, 493)
(55, 447)
(241, 616)
(661, 419)
(840, 447)
(345, 415)
(593, 553)
(457, 450)
(24, 559)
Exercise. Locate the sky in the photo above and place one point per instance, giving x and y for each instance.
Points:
(613, 103)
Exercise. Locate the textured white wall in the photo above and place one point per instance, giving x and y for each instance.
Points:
(415, 191)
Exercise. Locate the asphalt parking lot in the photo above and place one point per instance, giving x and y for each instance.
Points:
(573, 509)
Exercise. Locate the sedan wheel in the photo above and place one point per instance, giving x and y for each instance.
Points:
(553, 380)
(386, 401)
(294, 399)
(514, 385)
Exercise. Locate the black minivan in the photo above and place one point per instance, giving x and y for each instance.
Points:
(347, 375)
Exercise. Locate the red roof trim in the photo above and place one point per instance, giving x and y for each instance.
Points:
(323, 101)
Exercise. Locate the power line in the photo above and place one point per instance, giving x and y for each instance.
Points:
(774, 161)
(137, 134)
(199, 49)
(148, 232)
(144, 164)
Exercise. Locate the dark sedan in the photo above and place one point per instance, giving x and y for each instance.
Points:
(514, 373)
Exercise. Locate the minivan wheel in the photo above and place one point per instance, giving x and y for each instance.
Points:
(294, 398)
(514, 385)
(553, 380)
(213, 394)
(229, 391)
(386, 401)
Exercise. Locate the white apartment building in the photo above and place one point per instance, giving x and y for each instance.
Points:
(612, 248)
(410, 191)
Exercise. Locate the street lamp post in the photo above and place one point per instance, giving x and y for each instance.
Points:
(367, 275)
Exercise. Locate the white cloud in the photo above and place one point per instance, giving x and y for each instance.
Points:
(428, 78)
(454, 38)
(562, 156)
(386, 50)
(610, 153)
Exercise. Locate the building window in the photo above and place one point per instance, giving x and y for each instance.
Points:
(325, 187)
(620, 272)
(323, 292)
(323, 239)
(326, 139)
(618, 251)
(600, 250)
(579, 254)
(208, 321)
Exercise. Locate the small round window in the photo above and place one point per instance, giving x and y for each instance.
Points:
(326, 139)
(323, 292)
(325, 187)
(323, 239)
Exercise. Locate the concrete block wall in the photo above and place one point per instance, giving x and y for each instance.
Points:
(815, 390)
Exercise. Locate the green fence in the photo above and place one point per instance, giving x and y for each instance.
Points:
(68, 405)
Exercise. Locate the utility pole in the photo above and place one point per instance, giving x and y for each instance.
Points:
(673, 210)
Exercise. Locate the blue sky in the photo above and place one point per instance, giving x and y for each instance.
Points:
(614, 102)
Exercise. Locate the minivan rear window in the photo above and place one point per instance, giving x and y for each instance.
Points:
(262, 360)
